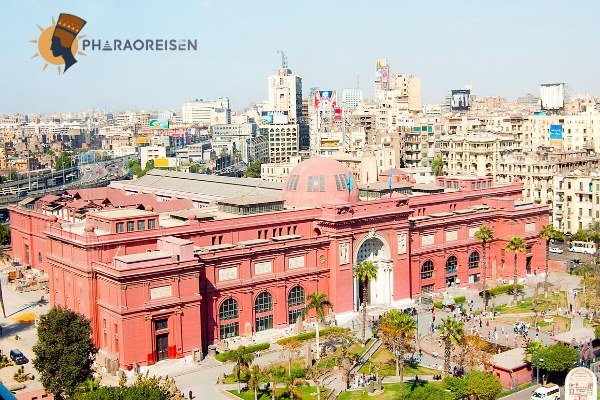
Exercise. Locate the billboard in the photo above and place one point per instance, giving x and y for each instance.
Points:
(382, 73)
(156, 123)
(581, 384)
(552, 95)
(143, 140)
(460, 100)
(161, 162)
(556, 135)
(274, 117)
(337, 113)
(325, 99)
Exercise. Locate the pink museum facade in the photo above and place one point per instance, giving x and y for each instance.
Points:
(162, 284)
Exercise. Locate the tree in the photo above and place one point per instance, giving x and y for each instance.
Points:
(145, 387)
(580, 236)
(556, 359)
(457, 386)
(516, 244)
(485, 235)
(64, 352)
(242, 357)
(290, 351)
(452, 332)
(12, 175)
(548, 233)
(472, 352)
(532, 347)
(275, 373)
(483, 385)
(593, 232)
(257, 377)
(437, 166)
(63, 161)
(398, 329)
(4, 235)
(194, 168)
(365, 271)
(292, 384)
(253, 170)
(318, 302)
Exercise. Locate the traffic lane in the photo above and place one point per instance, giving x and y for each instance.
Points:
(566, 255)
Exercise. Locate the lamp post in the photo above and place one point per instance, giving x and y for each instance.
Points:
(537, 370)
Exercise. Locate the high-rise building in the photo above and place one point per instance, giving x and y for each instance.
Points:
(206, 112)
(351, 97)
(285, 97)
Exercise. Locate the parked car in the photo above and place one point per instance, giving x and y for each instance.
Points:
(556, 250)
(17, 357)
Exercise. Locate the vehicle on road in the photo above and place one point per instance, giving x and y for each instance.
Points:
(582, 247)
(17, 357)
(556, 250)
(88, 168)
(549, 391)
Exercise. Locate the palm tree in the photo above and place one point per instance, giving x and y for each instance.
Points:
(547, 233)
(365, 271)
(3, 257)
(437, 166)
(293, 383)
(516, 244)
(242, 357)
(318, 301)
(398, 328)
(485, 235)
(593, 232)
(274, 373)
(452, 331)
(256, 378)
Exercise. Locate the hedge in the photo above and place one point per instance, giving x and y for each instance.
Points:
(502, 290)
(457, 300)
(311, 335)
(251, 349)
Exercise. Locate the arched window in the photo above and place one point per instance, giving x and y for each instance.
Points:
(229, 312)
(263, 308)
(296, 300)
(451, 265)
(427, 270)
(474, 260)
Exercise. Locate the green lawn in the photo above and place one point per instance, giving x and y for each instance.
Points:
(390, 392)
(383, 357)
(553, 301)
(304, 392)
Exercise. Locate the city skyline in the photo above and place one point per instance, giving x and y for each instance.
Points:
(504, 50)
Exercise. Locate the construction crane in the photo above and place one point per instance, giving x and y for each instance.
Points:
(284, 63)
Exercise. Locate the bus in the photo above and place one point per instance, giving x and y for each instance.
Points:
(582, 247)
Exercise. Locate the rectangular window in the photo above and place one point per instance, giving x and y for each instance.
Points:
(120, 227)
(160, 324)
(293, 315)
(264, 323)
(427, 240)
(151, 223)
(229, 330)
(141, 225)
(130, 226)
(427, 289)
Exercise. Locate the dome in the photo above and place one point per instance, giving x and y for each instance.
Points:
(318, 181)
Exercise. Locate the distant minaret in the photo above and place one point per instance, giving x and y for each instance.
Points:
(358, 81)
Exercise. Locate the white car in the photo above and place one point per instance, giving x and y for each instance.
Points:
(556, 250)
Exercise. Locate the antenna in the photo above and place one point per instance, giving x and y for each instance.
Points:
(284, 63)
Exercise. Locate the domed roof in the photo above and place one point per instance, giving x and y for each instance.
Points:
(319, 181)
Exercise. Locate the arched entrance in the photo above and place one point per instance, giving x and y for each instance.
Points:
(375, 250)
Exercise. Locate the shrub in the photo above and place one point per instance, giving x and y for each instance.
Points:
(252, 349)
(504, 289)
(311, 335)
(460, 299)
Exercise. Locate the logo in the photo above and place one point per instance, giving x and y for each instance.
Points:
(58, 44)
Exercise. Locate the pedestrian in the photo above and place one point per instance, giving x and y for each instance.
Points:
(191, 395)
(480, 323)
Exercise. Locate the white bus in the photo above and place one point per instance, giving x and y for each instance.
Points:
(582, 247)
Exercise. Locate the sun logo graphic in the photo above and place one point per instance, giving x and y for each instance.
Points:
(58, 43)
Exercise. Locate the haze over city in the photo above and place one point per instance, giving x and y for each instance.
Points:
(502, 49)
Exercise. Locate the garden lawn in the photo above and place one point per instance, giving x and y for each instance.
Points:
(384, 357)
(306, 393)
(390, 392)
(553, 301)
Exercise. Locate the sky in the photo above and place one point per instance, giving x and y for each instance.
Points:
(502, 48)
